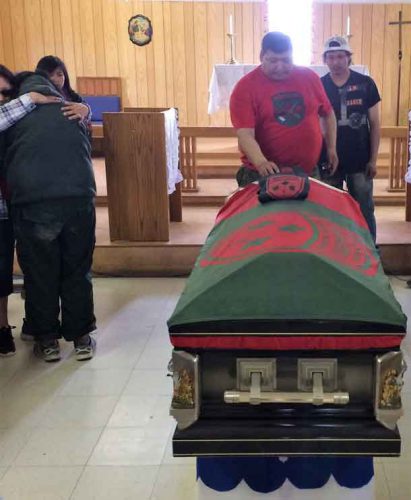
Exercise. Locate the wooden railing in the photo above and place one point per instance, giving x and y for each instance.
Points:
(188, 151)
(398, 156)
(398, 153)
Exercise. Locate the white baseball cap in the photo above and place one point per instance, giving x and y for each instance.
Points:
(337, 43)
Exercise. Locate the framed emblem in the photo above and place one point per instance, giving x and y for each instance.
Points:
(140, 30)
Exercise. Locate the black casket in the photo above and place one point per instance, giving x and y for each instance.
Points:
(287, 335)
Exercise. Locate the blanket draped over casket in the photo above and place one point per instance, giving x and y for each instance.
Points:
(264, 276)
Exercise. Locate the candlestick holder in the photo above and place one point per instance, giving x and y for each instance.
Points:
(232, 59)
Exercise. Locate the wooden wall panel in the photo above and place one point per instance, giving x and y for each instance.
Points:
(58, 35)
(34, 31)
(100, 56)
(48, 31)
(201, 63)
(217, 27)
(91, 37)
(189, 48)
(18, 34)
(374, 44)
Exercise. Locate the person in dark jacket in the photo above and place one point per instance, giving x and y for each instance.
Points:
(50, 177)
(11, 111)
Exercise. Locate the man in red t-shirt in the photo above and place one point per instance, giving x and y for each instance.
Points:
(277, 109)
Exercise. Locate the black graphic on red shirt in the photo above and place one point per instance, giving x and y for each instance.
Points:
(288, 108)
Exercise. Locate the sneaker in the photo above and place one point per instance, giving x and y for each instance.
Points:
(7, 347)
(85, 347)
(48, 351)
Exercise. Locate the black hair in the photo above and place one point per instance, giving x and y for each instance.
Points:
(11, 79)
(48, 64)
(349, 54)
(276, 42)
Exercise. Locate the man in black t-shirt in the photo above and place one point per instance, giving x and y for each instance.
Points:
(355, 100)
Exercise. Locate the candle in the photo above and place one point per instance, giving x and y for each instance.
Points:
(348, 26)
(230, 24)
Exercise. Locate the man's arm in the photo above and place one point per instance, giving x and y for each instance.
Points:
(374, 120)
(329, 126)
(15, 110)
(250, 147)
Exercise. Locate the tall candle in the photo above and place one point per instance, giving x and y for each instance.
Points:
(348, 26)
(230, 25)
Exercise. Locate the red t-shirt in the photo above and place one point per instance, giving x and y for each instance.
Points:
(284, 115)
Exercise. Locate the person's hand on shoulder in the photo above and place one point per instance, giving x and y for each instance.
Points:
(75, 110)
(43, 99)
(267, 168)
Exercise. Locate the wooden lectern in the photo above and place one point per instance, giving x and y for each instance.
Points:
(136, 167)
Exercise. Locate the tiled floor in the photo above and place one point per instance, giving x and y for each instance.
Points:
(100, 429)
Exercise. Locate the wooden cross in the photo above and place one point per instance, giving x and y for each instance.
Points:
(400, 22)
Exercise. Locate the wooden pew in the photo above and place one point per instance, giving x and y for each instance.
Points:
(99, 86)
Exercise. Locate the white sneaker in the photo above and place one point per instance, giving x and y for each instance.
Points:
(85, 348)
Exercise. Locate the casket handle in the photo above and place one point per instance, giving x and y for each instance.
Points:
(332, 398)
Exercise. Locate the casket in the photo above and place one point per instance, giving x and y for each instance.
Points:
(287, 335)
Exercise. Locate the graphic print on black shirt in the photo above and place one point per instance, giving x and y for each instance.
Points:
(288, 108)
(351, 103)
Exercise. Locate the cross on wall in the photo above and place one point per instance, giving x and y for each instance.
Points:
(399, 23)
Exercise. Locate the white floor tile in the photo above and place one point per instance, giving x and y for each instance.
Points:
(65, 447)
(381, 485)
(108, 382)
(149, 382)
(146, 411)
(2, 472)
(22, 409)
(129, 446)
(175, 482)
(79, 412)
(39, 483)
(11, 443)
(116, 483)
(399, 480)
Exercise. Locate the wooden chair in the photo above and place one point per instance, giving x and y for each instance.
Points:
(188, 151)
(398, 154)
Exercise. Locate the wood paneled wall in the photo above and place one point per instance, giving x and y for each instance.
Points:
(91, 37)
(375, 44)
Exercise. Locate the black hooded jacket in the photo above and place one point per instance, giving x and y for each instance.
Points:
(45, 156)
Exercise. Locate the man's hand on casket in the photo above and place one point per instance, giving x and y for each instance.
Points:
(267, 168)
(332, 161)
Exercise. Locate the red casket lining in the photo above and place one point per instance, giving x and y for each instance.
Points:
(297, 343)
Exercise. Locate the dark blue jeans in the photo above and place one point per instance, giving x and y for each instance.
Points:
(360, 187)
(55, 244)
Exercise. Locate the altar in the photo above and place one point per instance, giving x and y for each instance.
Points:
(225, 76)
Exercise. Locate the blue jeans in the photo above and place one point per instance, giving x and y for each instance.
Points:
(360, 187)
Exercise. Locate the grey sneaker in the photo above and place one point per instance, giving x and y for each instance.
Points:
(48, 351)
(85, 347)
